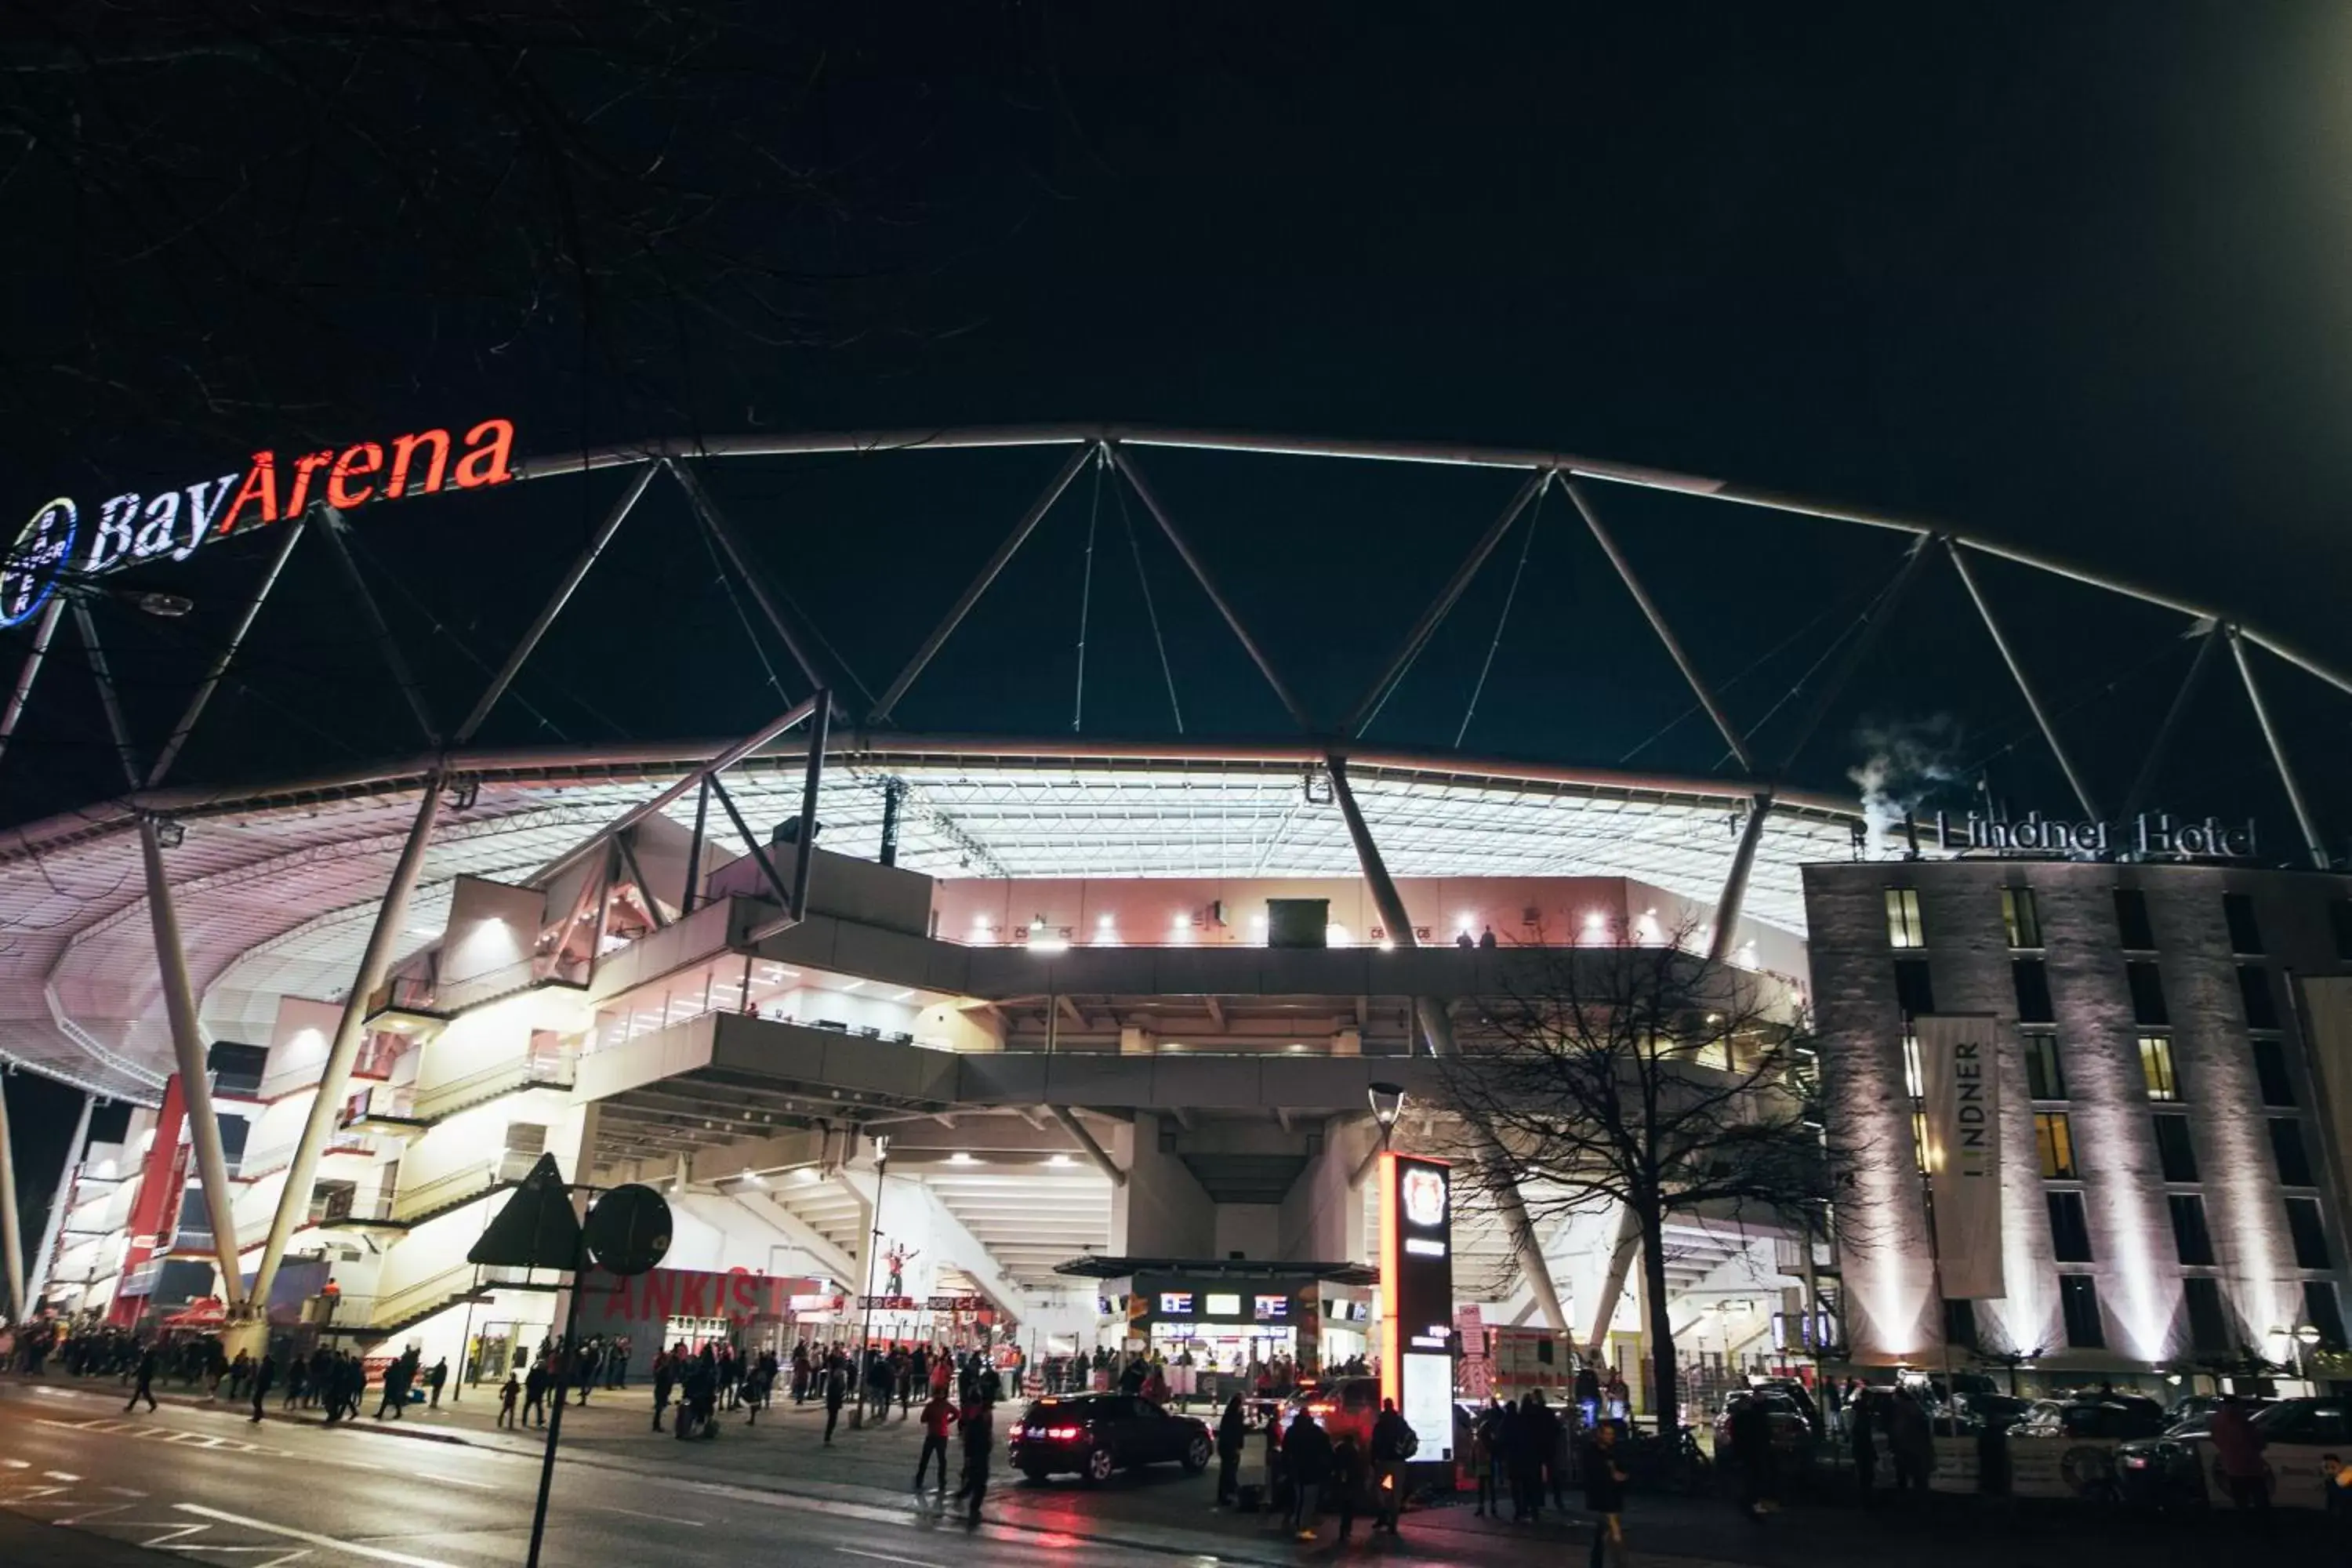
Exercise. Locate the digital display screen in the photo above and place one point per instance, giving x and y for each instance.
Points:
(1176, 1303)
(1428, 1405)
(1223, 1306)
(1272, 1307)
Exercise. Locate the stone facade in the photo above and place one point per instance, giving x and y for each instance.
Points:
(2134, 1264)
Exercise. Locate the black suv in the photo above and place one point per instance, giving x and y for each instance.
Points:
(1098, 1433)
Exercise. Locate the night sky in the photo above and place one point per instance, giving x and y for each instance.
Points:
(2070, 277)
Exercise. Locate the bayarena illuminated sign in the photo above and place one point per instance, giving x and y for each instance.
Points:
(133, 528)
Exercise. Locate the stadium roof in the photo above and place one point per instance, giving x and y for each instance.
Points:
(276, 887)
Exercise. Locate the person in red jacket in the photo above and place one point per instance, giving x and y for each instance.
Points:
(938, 1417)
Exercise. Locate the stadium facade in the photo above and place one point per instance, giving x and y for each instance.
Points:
(1035, 1034)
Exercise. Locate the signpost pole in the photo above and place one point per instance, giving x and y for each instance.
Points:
(562, 1391)
(873, 1245)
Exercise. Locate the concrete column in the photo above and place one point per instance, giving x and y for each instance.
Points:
(1161, 1211)
(9, 1239)
(195, 1074)
(58, 1201)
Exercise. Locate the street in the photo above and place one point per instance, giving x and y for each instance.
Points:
(83, 1485)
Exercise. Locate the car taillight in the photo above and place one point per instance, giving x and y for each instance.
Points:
(2135, 1461)
(1063, 1432)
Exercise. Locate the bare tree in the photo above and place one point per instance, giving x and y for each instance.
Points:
(1650, 1077)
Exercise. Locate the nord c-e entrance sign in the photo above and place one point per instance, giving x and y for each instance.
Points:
(132, 527)
(1417, 1293)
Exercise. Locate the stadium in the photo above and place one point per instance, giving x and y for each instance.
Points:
(1062, 977)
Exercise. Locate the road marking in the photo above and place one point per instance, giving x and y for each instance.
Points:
(658, 1518)
(377, 1552)
(61, 1475)
(16, 1464)
(126, 1492)
(886, 1557)
(458, 1481)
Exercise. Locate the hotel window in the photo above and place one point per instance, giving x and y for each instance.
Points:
(2310, 1236)
(2254, 990)
(2174, 1152)
(2323, 1311)
(2045, 1075)
(2269, 1071)
(1960, 1323)
(2053, 1137)
(1902, 927)
(2155, 1067)
(2288, 1153)
(2245, 932)
(2339, 920)
(2190, 1239)
(2031, 978)
(2146, 993)
(2070, 1228)
(2078, 1299)
(2131, 918)
(1912, 991)
(2209, 1318)
(2018, 913)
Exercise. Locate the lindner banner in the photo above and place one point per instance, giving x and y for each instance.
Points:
(1960, 1087)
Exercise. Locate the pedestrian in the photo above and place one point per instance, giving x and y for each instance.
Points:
(1913, 1444)
(396, 1389)
(1486, 1437)
(1393, 1442)
(1347, 1483)
(1538, 1435)
(1862, 1433)
(2238, 1455)
(1604, 1495)
(939, 1415)
(979, 1437)
(435, 1379)
(146, 1387)
(264, 1374)
(1307, 1451)
(836, 1394)
(508, 1392)
(1233, 1433)
(1751, 1450)
(297, 1380)
(665, 1379)
(534, 1394)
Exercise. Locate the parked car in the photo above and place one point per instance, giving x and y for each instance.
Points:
(1792, 1432)
(2093, 1418)
(2193, 1412)
(2002, 1411)
(2301, 1439)
(1343, 1406)
(1099, 1435)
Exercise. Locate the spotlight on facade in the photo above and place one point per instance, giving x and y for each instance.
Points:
(1387, 1104)
(165, 607)
(169, 834)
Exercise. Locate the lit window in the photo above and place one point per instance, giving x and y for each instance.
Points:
(2155, 1067)
(1903, 928)
(2045, 1077)
(2019, 914)
(2053, 1137)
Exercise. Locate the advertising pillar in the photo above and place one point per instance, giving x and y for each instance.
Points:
(1417, 1295)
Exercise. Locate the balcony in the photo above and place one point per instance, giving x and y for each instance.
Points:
(346, 1211)
(257, 1163)
(385, 1109)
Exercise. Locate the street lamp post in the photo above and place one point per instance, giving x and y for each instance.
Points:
(1387, 1104)
(873, 1250)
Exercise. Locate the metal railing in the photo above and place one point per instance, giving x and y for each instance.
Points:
(549, 1067)
(411, 1300)
(257, 1163)
(337, 1207)
(474, 1179)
